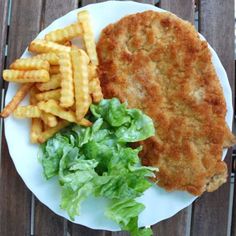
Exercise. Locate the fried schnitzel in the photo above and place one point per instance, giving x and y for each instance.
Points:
(157, 63)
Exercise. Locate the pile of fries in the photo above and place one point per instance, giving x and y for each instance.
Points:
(61, 80)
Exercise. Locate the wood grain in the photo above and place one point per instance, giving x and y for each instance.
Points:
(15, 198)
(46, 221)
(182, 8)
(79, 230)
(86, 2)
(233, 228)
(178, 225)
(24, 26)
(3, 33)
(216, 23)
(121, 233)
(54, 9)
(146, 1)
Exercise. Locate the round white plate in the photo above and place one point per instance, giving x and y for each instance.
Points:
(159, 203)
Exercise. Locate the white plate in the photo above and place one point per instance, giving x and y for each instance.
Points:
(159, 203)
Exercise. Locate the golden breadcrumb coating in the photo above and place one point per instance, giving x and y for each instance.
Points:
(157, 63)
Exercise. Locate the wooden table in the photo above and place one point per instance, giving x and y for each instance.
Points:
(21, 213)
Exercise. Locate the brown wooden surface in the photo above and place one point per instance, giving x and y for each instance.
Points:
(209, 215)
(15, 198)
(216, 23)
(3, 32)
(233, 228)
(182, 8)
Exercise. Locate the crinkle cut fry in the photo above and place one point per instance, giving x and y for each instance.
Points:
(67, 85)
(53, 83)
(64, 34)
(52, 94)
(44, 136)
(19, 96)
(53, 107)
(88, 36)
(36, 123)
(30, 64)
(29, 76)
(43, 46)
(51, 57)
(81, 80)
(95, 90)
(30, 111)
(48, 119)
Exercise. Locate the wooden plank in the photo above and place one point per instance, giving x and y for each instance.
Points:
(233, 229)
(152, 2)
(15, 198)
(180, 223)
(56, 8)
(79, 230)
(24, 26)
(86, 2)
(121, 233)
(3, 33)
(216, 23)
(47, 222)
(233, 181)
(182, 8)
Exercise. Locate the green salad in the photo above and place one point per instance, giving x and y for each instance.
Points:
(98, 161)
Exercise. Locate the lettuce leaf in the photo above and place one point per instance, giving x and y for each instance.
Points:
(130, 125)
(97, 161)
(125, 213)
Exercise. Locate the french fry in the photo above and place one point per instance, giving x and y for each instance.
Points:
(43, 46)
(26, 76)
(52, 106)
(52, 94)
(51, 57)
(33, 92)
(95, 90)
(29, 64)
(19, 96)
(81, 80)
(53, 70)
(45, 135)
(36, 129)
(73, 108)
(64, 34)
(36, 123)
(53, 83)
(49, 119)
(92, 71)
(67, 85)
(29, 111)
(88, 36)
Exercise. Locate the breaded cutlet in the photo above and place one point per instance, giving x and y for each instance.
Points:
(157, 63)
